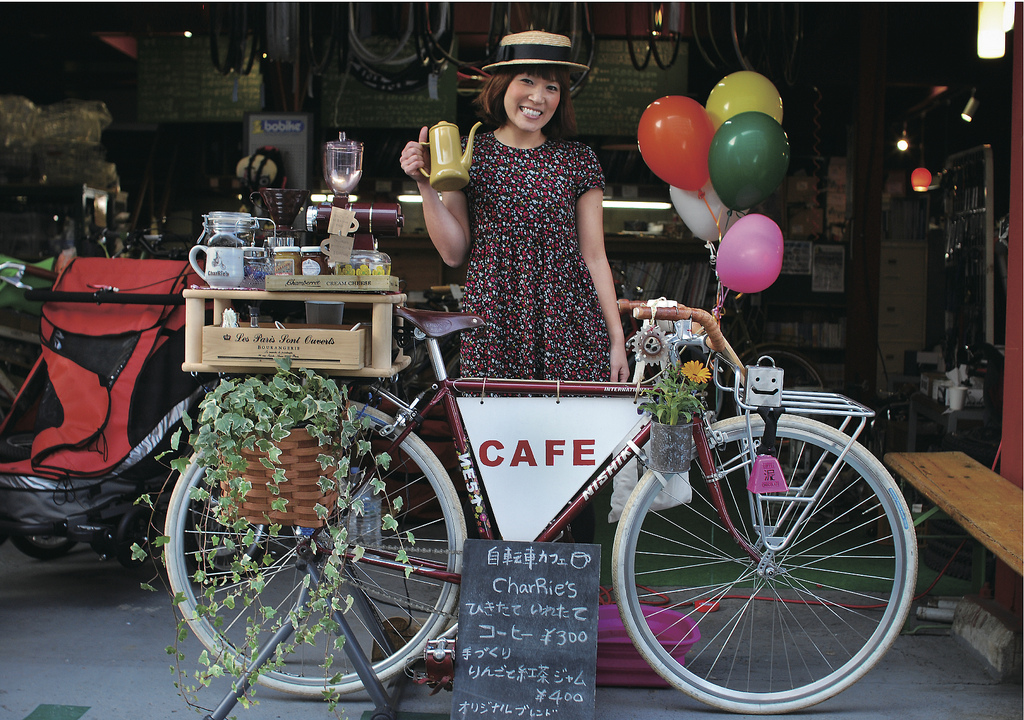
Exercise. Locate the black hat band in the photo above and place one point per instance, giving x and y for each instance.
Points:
(550, 53)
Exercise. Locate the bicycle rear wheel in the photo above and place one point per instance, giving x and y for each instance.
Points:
(816, 614)
(409, 610)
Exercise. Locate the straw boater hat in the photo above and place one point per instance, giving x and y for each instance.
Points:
(534, 48)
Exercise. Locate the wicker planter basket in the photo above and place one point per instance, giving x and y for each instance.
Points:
(298, 459)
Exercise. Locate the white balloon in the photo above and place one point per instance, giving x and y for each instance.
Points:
(700, 214)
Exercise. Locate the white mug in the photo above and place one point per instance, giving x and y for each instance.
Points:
(224, 265)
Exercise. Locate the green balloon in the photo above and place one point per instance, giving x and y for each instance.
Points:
(748, 159)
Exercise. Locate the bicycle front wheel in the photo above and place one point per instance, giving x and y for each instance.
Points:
(392, 616)
(825, 598)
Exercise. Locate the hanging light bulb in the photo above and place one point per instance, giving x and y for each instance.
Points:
(921, 179)
(991, 38)
(970, 108)
(903, 144)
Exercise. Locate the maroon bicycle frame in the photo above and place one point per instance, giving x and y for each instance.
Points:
(446, 394)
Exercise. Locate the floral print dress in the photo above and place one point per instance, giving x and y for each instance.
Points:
(526, 273)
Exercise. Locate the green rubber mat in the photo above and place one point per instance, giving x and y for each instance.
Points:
(57, 712)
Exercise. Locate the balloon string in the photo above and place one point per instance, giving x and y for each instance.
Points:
(703, 196)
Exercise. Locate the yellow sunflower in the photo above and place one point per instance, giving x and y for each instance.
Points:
(696, 371)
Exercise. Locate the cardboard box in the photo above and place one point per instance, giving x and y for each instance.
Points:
(801, 190)
(312, 346)
(805, 223)
(332, 283)
(929, 380)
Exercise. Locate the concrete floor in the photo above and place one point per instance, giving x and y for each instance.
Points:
(80, 639)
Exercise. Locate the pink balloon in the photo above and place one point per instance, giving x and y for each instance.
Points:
(750, 255)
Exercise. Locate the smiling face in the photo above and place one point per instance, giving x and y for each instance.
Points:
(764, 386)
(531, 101)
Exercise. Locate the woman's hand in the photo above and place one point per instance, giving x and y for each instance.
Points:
(415, 156)
(620, 363)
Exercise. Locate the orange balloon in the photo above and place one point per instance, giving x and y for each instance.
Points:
(674, 136)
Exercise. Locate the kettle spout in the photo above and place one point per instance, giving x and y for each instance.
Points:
(467, 156)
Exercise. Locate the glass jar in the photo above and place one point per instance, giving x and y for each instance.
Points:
(314, 262)
(287, 260)
(227, 229)
(365, 262)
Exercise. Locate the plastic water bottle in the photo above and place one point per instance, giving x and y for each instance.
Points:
(364, 527)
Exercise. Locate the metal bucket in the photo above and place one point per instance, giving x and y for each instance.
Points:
(671, 448)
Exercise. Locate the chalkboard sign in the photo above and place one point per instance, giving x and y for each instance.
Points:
(527, 644)
(178, 83)
(347, 103)
(616, 93)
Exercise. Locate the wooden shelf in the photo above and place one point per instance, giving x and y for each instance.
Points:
(376, 360)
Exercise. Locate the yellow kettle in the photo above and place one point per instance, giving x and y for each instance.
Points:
(449, 168)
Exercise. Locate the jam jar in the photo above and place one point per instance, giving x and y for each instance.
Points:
(287, 260)
(314, 262)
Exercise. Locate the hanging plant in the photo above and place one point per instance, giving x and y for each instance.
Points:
(278, 452)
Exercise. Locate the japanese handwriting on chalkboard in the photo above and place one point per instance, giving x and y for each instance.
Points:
(493, 609)
(578, 559)
(488, 632)
(485, 707)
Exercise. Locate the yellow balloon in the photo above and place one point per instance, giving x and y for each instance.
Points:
(743, 91)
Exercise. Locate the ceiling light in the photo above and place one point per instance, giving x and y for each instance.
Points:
(636, 204)
(328, 197)
(921, 179)
(970, 108)
(991, 38)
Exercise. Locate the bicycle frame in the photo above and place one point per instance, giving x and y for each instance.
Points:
(448, 390)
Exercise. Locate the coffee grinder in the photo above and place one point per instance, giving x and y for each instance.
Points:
(365, 222)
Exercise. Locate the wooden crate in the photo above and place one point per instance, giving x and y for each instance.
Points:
(365, 351)
(313, 346)
(331, 283)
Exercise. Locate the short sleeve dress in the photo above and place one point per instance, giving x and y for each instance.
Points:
(526, 273)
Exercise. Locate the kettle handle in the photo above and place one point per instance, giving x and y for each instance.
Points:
(424, 143)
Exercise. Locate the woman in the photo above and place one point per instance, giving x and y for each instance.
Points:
(531, 226)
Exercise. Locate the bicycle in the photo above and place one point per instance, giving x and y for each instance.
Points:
(796, 595)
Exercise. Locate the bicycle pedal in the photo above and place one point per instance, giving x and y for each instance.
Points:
(439, 655)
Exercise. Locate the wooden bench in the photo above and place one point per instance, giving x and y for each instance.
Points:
(985, 504)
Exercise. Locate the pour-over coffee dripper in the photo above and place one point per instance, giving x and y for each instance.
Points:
(343, 167)
(283, 205)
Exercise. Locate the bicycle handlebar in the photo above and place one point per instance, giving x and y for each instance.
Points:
(715, 339)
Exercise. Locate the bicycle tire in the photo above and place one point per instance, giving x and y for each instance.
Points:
(771, 644)
(412, 610)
